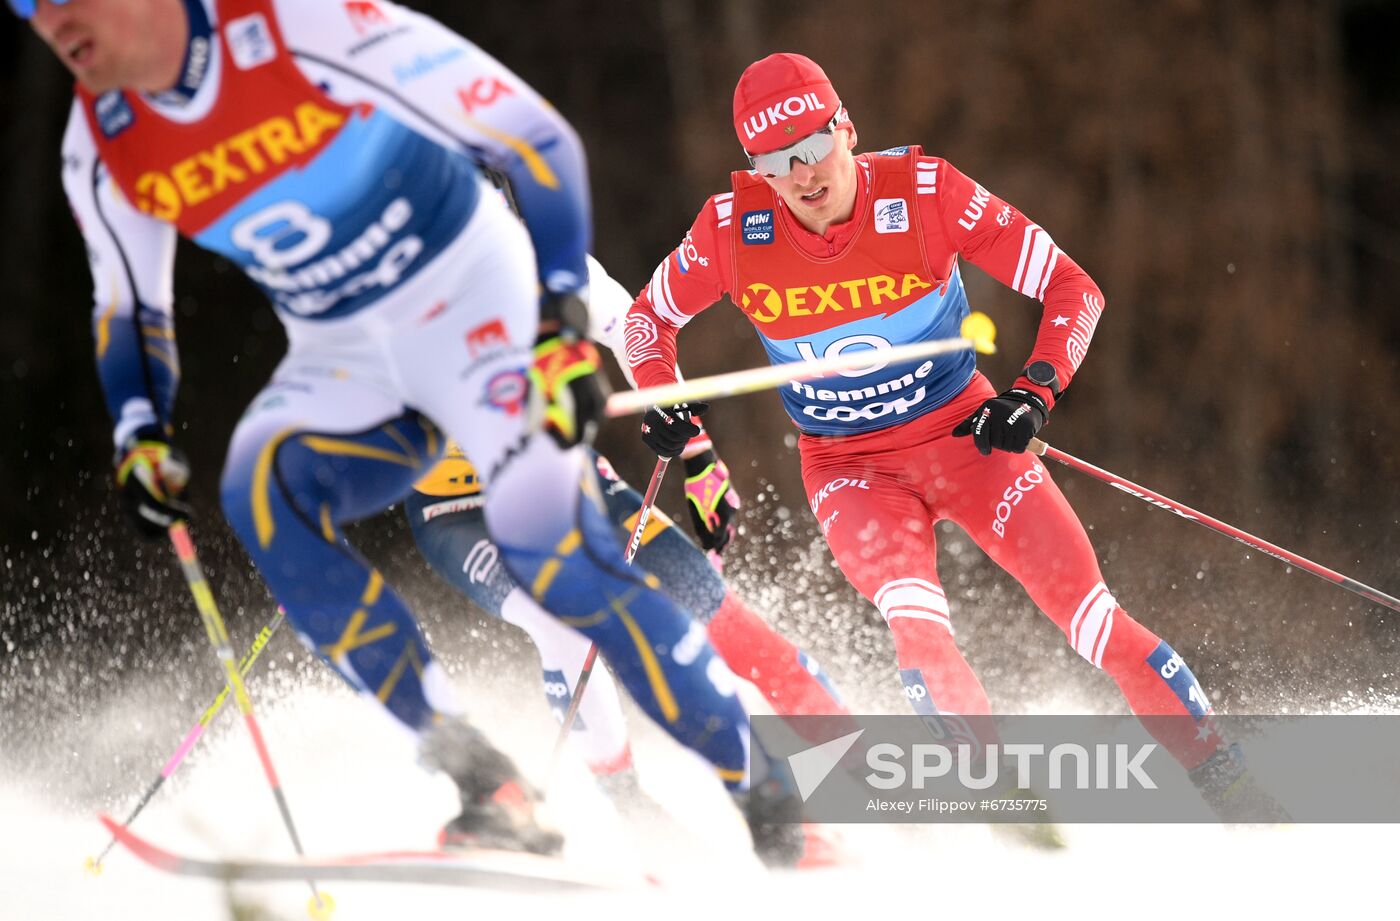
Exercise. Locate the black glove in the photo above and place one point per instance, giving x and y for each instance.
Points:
(666, 431)
(1006, 422)
(712, 501)
(151, 475)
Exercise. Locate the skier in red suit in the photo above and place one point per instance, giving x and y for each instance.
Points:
(826, 252)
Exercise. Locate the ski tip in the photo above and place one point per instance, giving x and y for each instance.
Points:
(112, 825)
(321, 906)
(92, 867)
(142, 849)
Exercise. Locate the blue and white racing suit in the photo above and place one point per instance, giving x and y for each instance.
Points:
(335, 152)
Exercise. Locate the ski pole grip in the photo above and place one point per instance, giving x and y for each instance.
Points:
(1037, 447)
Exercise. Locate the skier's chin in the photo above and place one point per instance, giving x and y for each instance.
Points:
(97, 85)
(96, 79)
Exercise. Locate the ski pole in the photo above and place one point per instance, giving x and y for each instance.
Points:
(633, 544)
(978, 335)
(568, 721)
(321, 904)
(94, 864)
(644, 513)
(1365, 591)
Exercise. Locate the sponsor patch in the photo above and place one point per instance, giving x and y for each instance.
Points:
(375, 39)
(481, 560)
(766, 304)
(891, 215)
(1013, 495)
(483, 93)
(506, 391)
(249, 41)
(975, 208)
(114, 113)
(556, 694)
(894, 152)
(790, 107)
(758, 227)
(365, 16)
(425, 63)
(452, 506)
(606, 470)
(840, 482)
(488, 337)
(687, 255)
(1173, 670)
(240, 158)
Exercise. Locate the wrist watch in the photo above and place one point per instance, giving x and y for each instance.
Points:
(1042, 374)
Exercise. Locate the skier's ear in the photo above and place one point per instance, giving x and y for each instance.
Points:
(850, 137)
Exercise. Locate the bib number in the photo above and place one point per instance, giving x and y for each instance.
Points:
(282, 235)
(839, 347)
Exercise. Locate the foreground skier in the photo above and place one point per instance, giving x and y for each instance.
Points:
(444, 512)
(826, 251)
(271, 132)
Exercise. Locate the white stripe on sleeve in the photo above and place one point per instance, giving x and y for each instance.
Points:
(662, 301)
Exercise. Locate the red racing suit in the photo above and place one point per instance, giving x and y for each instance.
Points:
(879, 464)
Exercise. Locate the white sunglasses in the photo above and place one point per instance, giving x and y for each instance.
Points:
(811, 150)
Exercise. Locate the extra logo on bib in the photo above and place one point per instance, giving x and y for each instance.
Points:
(891, 215)
(758, 227)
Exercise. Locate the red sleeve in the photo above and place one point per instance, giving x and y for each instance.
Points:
(1017, 252)
(692, 277)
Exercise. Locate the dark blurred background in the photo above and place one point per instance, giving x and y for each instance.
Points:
(1225, 171)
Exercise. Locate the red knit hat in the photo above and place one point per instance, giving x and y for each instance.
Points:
(781, 99)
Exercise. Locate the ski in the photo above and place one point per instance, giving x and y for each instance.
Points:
(509, 871)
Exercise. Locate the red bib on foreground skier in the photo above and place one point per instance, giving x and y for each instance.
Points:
(269, 121)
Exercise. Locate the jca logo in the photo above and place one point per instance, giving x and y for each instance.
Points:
(891, 215)
(758, 227)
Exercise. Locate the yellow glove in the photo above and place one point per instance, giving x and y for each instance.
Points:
(567, 388)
